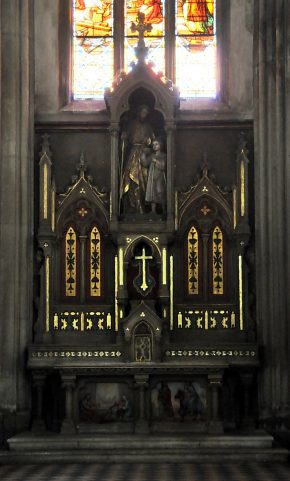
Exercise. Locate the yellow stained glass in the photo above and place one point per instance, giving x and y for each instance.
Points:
(195, 17)
(93, 18)
(154, 14)
(93, 48)
(196, 62)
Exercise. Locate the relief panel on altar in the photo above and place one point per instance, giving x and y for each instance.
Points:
(179, 405)
(101, 405)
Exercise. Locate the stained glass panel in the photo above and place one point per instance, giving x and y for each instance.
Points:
(196, 63)
(155, 54)
(195, 17)
(154, 15)
(93, 48)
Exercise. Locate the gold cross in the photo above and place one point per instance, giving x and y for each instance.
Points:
(141, 27)
(205, 210)
(143, 258)
(83, 212)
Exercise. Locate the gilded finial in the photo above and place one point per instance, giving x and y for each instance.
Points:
(205, 167)
(242, 147)
(45, 147)
(82, 167)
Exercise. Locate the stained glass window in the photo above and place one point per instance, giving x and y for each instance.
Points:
(154, 14)
(196, 48)
(93, 47)
(190, 31)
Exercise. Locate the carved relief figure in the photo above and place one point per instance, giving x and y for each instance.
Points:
(155, 161)
(121, 410)
(164, 401)
(189, 402)
(138, 135)
(88, 408)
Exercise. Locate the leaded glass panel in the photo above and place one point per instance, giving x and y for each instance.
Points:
(93, 47)
(195, 44)
(154, 14)
(196, 63)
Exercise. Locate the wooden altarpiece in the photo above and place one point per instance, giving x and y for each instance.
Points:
(143, 318)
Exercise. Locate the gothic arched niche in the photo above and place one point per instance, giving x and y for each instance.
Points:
(142, 96)
(142, 272)
(142, 158)
(143, 341)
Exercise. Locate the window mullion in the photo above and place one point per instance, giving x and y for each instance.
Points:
(170, 39)
(119, 10)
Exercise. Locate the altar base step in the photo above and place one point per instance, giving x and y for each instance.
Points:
(153, 448)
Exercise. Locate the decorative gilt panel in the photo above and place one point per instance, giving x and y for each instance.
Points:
(95, 263)
(193, 261)
(70, 263)
(217, 261)
(143, 348)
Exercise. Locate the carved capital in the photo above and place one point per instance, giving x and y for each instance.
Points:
(170, 127)
(141, 381)
(68, 380)
(114, 130)
(215, 379)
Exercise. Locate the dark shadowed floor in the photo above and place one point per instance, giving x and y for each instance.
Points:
(146, 472)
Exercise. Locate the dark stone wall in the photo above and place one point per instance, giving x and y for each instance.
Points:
(67, 148)
(218, 143)
(195, 142)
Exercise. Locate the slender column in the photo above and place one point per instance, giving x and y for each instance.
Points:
(163, 266)
(170, 128)
(115, 174)
(83, 239)
(206, 246)
(16, 213)
(119, 36)
(272, 191)
(68, 383)
(215, 424)
(141, 385)
(38, 424)
(170, 40)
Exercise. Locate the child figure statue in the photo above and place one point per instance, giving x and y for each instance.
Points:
(155, 161)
